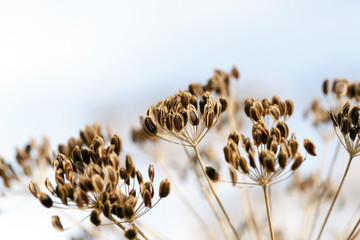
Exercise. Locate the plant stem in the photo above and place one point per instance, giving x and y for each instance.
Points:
(186, 202)
(320, 199)
(124, 229)
(268, 212)
(335, 197)
(214, 193)
(207, 196)
(354, 229)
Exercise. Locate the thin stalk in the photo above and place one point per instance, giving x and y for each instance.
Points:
(335, 197)
(214, 193)
(268, 212)
(207, 196)
(320, 198)
(354, 229)
(355, 235)
(149, 230)
(186, 202)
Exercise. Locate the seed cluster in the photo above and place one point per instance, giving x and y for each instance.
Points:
(88, 175)
(271, 146)
(347, 127)
(184, 117)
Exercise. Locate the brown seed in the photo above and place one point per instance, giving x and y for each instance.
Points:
(178, 122)
(353, 133)
(233, 175)
(333, 118)
(49, 186)
(224, 104)
(212, 174)
(209, 117)
(150, 126)
(326, 86)
(107, 209)
(193, 118)
(234, 136)
(345, 125)
(128, 210)
(283, 156)
(98, 183)
(254, 114)
(164, 188)
(235, 73)
(252, 160)
(55, 221)
(147, 199)
(293, 146)
(270, 162)
(151, 172)
(243, 165)
(289, 107)
(34, 189)
(95, 217)
(309, 147)
(131, 233)
(45, 200)
(354, 115)
(275, 112)
(298, 159)
(228, 154)
(248, 105)
(116, 141)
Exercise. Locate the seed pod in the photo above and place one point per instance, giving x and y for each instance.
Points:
(116, 141)
(354, 115)
(34, 188)
(326, 86)
(254, 114)
(353, 133)
(49, 186)
(95, 217)
(128, 210)
(309, 147)
(293, 146)
(224, 104)
(212, 174)
(243, 165)
(164, 188)
(150, 126)
(98, 183)
(283, 156)
(289, 107)
(169, 121)
(228, 154)
(55, 221)
(178, 122)
(262, 158)
(298, 159)
(284, 129)
(346, 108)
(147, 199)
(248, 104)
(185, 99)
(139, 177)
(111, 175)
(131, 232)
(107, 209)
(345, 125)
(151, 172)
(81, 199)
(275, 112)
(209, 117)
(270, 162)
(333, 118)
(233, 175)
(129, 164)
(235, 73)
(45, 200)
(193, 118)
(251, 160)
(235, 137)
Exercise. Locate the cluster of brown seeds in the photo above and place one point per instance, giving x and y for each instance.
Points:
(34, 156)
(89, 175)
(184, 117)
(270, 150)
(7, 173)
(347, 126)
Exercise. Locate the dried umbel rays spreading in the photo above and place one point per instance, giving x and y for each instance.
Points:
(89, 176)
(270, 155)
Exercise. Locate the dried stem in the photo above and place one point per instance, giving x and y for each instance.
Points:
(207, 196)
(214, 193)
(186, 202)
(354, 229)
(124, 229)
(336, 196)
(323, 190)
(268, 212)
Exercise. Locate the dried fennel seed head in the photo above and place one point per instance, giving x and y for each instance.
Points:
(270, 155)
(346, 126)
(90, 176)
(183, 117)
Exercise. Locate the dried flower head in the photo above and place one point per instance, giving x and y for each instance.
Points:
(89, 175)
(271, 155)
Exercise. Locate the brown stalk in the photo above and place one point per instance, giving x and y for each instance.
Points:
(214, 193)
(336, 196)
(124, 229)
(354, 229)
(207, 196)
(268, 212)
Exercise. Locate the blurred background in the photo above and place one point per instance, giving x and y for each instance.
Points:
(64, 64)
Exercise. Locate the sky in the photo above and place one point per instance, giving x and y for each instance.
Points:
(64, 64)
